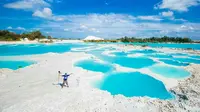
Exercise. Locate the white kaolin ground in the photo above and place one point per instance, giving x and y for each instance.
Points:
(35, 89)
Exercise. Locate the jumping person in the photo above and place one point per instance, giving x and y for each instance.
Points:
(59, 74)
(65, 77)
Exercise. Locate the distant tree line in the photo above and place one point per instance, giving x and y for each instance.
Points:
(157, 39)
(144, 40)
(33, 35)
(6, 35)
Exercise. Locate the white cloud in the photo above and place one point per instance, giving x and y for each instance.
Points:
(181, 20)
(45, 13)
(10, 27)
(94, 30)
(58, 18)
(151, 18)
(66, 29)
(167, 14)
(115, 26)
(83, 27)
(185, 27)
(177, 5)
(40, 8)
(27, 4)
(20, 28)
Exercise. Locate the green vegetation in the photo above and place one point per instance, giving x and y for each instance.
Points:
(156, 39)
(144, 40)
(33, 35)
(6, 35)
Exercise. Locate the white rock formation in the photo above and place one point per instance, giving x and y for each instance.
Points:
(93, 38)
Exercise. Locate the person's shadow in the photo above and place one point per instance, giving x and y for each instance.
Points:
(59, 84)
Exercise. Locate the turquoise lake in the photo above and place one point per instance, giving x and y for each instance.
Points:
(22, 49)
(173, 62)
(188, 60)
(170, 72)
(138, 62)
(128, 84)
(94, 66)
(158, 55)
(134, 84)
(171, 45)
(14, 65)
(143, 51)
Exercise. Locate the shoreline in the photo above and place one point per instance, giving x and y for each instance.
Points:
(18, 42)
(36, 42)
(31, 87)
(63, 41)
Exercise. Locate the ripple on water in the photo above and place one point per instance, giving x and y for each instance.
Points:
(173, 62)
(188, 60)
(195, 56)
(134, 84)
(179, 54)
(119, 53)
(147, 51)
(160, 55)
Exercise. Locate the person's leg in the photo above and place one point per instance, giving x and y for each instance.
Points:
(67, 83)
(63, 83)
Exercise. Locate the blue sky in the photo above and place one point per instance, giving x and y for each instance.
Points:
(102, 18)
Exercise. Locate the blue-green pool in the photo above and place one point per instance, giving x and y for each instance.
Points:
(188, 60)
(133, 84)
(138, 62)
(173, 62)
(170, 72)
(94, 66)
(172, 45)
(14, 65)
(21, 49)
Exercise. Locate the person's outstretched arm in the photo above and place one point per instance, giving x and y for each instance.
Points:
(70, 74)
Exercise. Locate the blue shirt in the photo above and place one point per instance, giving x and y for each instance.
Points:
(65, 76)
